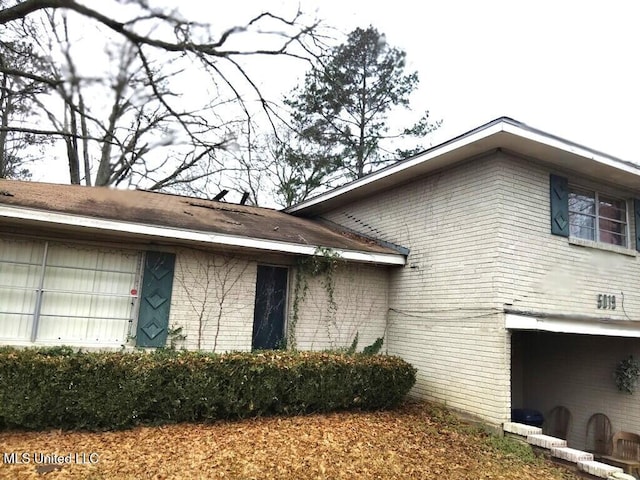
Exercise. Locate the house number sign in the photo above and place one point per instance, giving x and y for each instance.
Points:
(606, 302)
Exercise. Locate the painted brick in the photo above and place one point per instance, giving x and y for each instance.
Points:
(598, 469)
(360, 294)
(443, 314)
(214, 294)
(545, 441)
(539, 271)
(479, 239)
(521, 429)
(577, 371)
(213, 300)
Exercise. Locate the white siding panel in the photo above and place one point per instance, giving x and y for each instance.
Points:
(20, 268)
(87, 295)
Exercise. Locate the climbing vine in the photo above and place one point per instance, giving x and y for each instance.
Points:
(626, 374)
(324, 263)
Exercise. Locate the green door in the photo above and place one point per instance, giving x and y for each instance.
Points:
(155, 299)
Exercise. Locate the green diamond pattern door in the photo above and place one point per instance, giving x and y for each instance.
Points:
(155, 299)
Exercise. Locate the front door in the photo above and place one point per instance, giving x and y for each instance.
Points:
(269, 312)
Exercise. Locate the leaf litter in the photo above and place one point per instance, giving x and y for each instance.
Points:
(415, 441)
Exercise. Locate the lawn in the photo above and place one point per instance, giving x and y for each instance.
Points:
(417, 440)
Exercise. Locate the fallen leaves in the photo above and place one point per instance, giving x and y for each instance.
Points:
(414, 441)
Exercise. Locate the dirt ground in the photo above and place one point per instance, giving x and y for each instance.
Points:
(417, 441)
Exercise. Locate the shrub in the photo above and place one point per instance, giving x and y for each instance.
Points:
(62, 388)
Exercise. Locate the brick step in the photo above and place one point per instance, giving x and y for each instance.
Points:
(545, 441)
(571, 454)
(620, 476)
(603, 470)
(521, 429)
(558, 449)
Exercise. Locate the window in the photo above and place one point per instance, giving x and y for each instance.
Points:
(597, 217)
(64, 293)
(270, 308)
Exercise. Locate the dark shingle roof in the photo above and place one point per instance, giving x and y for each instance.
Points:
(175, 211)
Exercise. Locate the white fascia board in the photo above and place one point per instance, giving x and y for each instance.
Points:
(386, 172)
(193, 235)
(503, 125)
(569, 147)
(557, 325)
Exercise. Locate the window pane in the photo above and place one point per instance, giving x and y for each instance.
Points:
(613, 232)
(611, 226)
(582, 226)
(613, 209)
(607, 223)
(613, 238)
(582, 202)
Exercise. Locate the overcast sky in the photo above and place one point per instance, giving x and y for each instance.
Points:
(568, 67)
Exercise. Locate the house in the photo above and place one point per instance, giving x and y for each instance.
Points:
(105, 268)
(522, 285)
(502, 264)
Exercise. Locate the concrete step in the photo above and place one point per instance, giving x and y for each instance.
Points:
(571, 454)
(521, 429)
(558, 449)
(545, 441)
(599, 469)
(620, 476)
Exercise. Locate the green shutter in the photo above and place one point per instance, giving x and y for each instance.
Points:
(636, 213)
(155, 299)
(559, 189)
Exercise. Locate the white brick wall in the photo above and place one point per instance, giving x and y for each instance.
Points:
(362, 304)
(538, 271)
(213, 300)
(544, 273)
(480, 239)
(444, 315)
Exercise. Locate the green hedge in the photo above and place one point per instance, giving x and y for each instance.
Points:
(60, 388)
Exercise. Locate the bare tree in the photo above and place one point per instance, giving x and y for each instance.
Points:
(283, 166)
(17, 148)
(158, 52)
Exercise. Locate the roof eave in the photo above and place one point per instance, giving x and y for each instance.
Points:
(49, 218)
(502, 133)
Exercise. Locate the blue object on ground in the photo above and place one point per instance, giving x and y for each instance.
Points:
(528, 416)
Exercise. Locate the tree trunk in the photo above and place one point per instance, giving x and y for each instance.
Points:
(5, 107)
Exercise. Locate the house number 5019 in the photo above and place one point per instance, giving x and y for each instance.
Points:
(607, 302)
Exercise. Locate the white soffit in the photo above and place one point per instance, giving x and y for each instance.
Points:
(503, 133)
(47, 218)
(624, 328)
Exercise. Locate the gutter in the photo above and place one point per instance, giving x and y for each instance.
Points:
(54, 218)
(502, 124)
(469, 137)
(516, 319)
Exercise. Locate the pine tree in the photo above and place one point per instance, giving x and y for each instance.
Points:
(343, 105)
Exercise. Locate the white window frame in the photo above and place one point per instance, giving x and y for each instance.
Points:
(596, 196)
(40, 290)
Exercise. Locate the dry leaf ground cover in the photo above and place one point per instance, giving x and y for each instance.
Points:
(417, 440)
